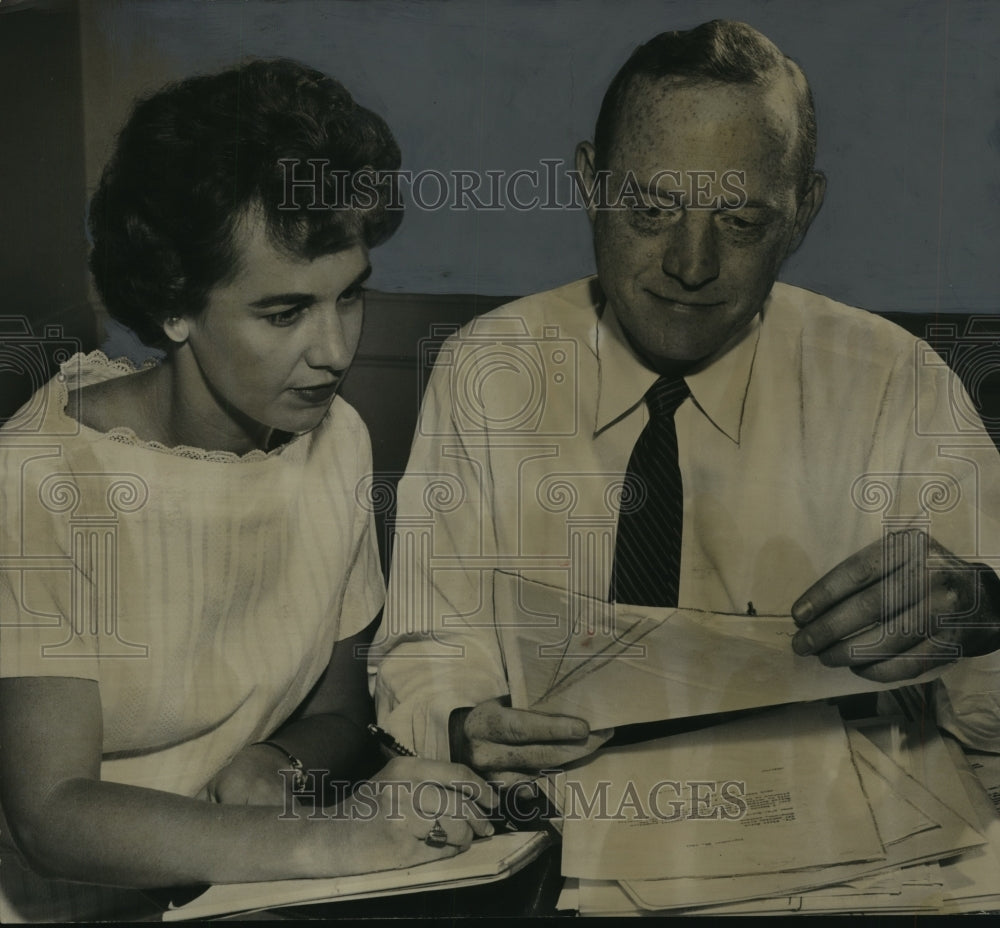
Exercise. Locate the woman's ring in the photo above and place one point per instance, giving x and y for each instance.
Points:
(437, 836)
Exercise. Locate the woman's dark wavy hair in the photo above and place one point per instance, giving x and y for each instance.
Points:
(720, 51)
(195, 157)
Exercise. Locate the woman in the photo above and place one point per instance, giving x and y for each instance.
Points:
(187, 643)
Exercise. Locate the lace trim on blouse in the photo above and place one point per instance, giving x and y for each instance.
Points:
(120, 367)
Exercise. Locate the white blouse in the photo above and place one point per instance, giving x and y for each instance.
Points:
(203, 591)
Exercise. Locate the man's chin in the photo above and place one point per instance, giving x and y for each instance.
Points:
(685, 355)
(673, 358)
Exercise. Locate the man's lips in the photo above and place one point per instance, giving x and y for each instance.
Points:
(686, 303)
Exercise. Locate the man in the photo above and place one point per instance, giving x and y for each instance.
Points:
(805, 436)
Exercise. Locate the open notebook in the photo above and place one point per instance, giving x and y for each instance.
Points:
(487, 860)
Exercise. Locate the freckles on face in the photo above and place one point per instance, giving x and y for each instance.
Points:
(686, 269)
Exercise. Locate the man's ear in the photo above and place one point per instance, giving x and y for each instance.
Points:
(176, 329)
(808, 208)
(587, 174)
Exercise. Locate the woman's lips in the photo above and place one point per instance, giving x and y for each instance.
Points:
(319, 393)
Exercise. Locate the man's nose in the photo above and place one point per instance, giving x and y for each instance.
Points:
(691, 255)
(330, 344)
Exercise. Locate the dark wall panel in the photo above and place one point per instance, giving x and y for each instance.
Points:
(43, 276)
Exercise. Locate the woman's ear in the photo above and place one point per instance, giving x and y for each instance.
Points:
(176, 329)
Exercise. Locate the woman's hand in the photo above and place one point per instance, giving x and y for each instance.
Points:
(397, 810)
(69, 824)
(253, 778)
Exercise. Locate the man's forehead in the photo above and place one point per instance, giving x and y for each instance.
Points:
(686, 125)
(653, 105)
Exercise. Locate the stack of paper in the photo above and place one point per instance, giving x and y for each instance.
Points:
(783, 811)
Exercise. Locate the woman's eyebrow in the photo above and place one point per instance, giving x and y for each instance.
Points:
(283, 299)
(291, 299)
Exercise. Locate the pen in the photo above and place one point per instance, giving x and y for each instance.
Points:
(401, 750)
(387, 741)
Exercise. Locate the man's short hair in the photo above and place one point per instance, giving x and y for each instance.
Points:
(718, 51)
(199, 155)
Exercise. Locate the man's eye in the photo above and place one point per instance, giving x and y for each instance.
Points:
(657, 209)
(653, 216)
(286, 317)
(352, 293)
(737, 222)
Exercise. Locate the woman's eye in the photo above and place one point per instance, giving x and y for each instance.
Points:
(286, 317)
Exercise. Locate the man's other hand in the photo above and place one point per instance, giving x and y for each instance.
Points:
(899, 607)
(509, 745)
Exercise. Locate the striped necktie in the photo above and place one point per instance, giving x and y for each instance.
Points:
(647, 561)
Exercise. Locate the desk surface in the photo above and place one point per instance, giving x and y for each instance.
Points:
(532, 892)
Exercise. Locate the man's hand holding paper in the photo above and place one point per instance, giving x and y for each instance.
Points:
(897, 608)
(506, 743)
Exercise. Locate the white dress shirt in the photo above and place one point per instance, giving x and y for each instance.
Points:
(812, 432)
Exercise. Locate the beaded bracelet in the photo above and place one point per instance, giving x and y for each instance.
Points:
(298, 771)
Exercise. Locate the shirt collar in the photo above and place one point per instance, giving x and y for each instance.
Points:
(719, 385)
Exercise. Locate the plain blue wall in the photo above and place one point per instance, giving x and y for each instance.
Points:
(906, 96)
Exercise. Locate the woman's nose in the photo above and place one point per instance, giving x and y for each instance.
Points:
(331, 344)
